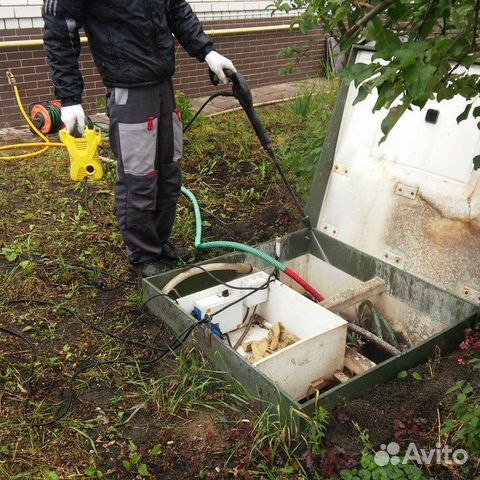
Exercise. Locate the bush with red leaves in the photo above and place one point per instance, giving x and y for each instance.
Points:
(337, 460)
(470, 345)
(410, 428)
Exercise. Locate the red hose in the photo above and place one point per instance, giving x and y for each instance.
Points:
(314, 293)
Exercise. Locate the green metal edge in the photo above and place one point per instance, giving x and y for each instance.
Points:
(410, 289)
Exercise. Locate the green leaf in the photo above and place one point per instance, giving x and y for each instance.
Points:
(403, 374)
(476, 112)
(127, 465)
(91, 471)
(406, 57)
(391, 119)
(156, 450)
(135, 458)
(384, 37)
(468, 389)
(461, 397)
(362, 94)
(50, 475)
(469, 60)
(143, 470)
(416, 376)
(360, 72)
(463, 116)
(456, 387)
(419, 79)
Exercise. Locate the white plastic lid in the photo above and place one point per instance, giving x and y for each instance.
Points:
(414, 200)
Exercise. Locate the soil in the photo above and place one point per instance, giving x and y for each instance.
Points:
(398, 399)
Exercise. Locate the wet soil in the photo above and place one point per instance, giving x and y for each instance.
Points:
(400, 399)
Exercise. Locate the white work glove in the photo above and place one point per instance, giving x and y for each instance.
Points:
(217, 63)
(73, 117)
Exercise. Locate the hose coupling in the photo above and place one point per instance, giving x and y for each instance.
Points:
(11, 78)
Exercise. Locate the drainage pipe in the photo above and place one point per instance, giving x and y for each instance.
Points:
(243, 268)
(373, 338)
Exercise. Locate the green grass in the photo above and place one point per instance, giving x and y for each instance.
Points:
(57, 241)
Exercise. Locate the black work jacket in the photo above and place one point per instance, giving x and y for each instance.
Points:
(131, 41)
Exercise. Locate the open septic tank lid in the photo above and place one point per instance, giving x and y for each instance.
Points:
(412, 201)
(405, 219)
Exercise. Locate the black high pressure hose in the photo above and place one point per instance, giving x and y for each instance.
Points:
(241, 91)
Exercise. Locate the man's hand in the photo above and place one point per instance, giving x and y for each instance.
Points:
(217, 63)
(73, 118)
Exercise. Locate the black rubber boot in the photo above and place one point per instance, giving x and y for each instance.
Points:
(169, 252)
(148, 269)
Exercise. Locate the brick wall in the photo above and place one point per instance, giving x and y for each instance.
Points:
(27, 13)
(254, 54)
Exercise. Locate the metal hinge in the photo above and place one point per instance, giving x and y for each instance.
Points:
(471, 294)
(393, 258)
(406, 191)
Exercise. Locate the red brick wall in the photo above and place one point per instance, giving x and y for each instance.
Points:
(254, 54)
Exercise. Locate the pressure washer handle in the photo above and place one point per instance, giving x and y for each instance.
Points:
(241, 91)
(214, 79)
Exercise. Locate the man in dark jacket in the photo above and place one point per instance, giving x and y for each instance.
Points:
(133, 48)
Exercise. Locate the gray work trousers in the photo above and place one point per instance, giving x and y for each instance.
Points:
(146, 138)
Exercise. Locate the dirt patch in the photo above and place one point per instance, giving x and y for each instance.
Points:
(378, 410)
(205, 431)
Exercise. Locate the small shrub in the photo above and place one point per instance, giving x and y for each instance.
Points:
(371, 471)
(185, 106)
(464, 421)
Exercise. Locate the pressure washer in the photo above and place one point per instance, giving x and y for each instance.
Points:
(45, 118)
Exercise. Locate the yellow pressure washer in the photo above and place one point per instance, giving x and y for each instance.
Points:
(83, 151)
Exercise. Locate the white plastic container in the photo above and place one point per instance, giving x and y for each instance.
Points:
(320, 350)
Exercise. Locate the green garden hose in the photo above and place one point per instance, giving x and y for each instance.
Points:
(366, 311)
(245, 248)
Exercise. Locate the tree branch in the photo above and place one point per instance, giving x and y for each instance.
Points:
(475, 25)
(427, 13)
(369, 16)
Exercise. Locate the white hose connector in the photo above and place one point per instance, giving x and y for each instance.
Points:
(278, 247)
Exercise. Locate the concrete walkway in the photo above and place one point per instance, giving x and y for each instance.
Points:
(261, 95)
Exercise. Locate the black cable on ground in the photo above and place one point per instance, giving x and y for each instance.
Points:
(130, 280)
(126, 281)
(199, 111)
(68, 402)
(162, 352)
(28, 381)
(74, 314)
